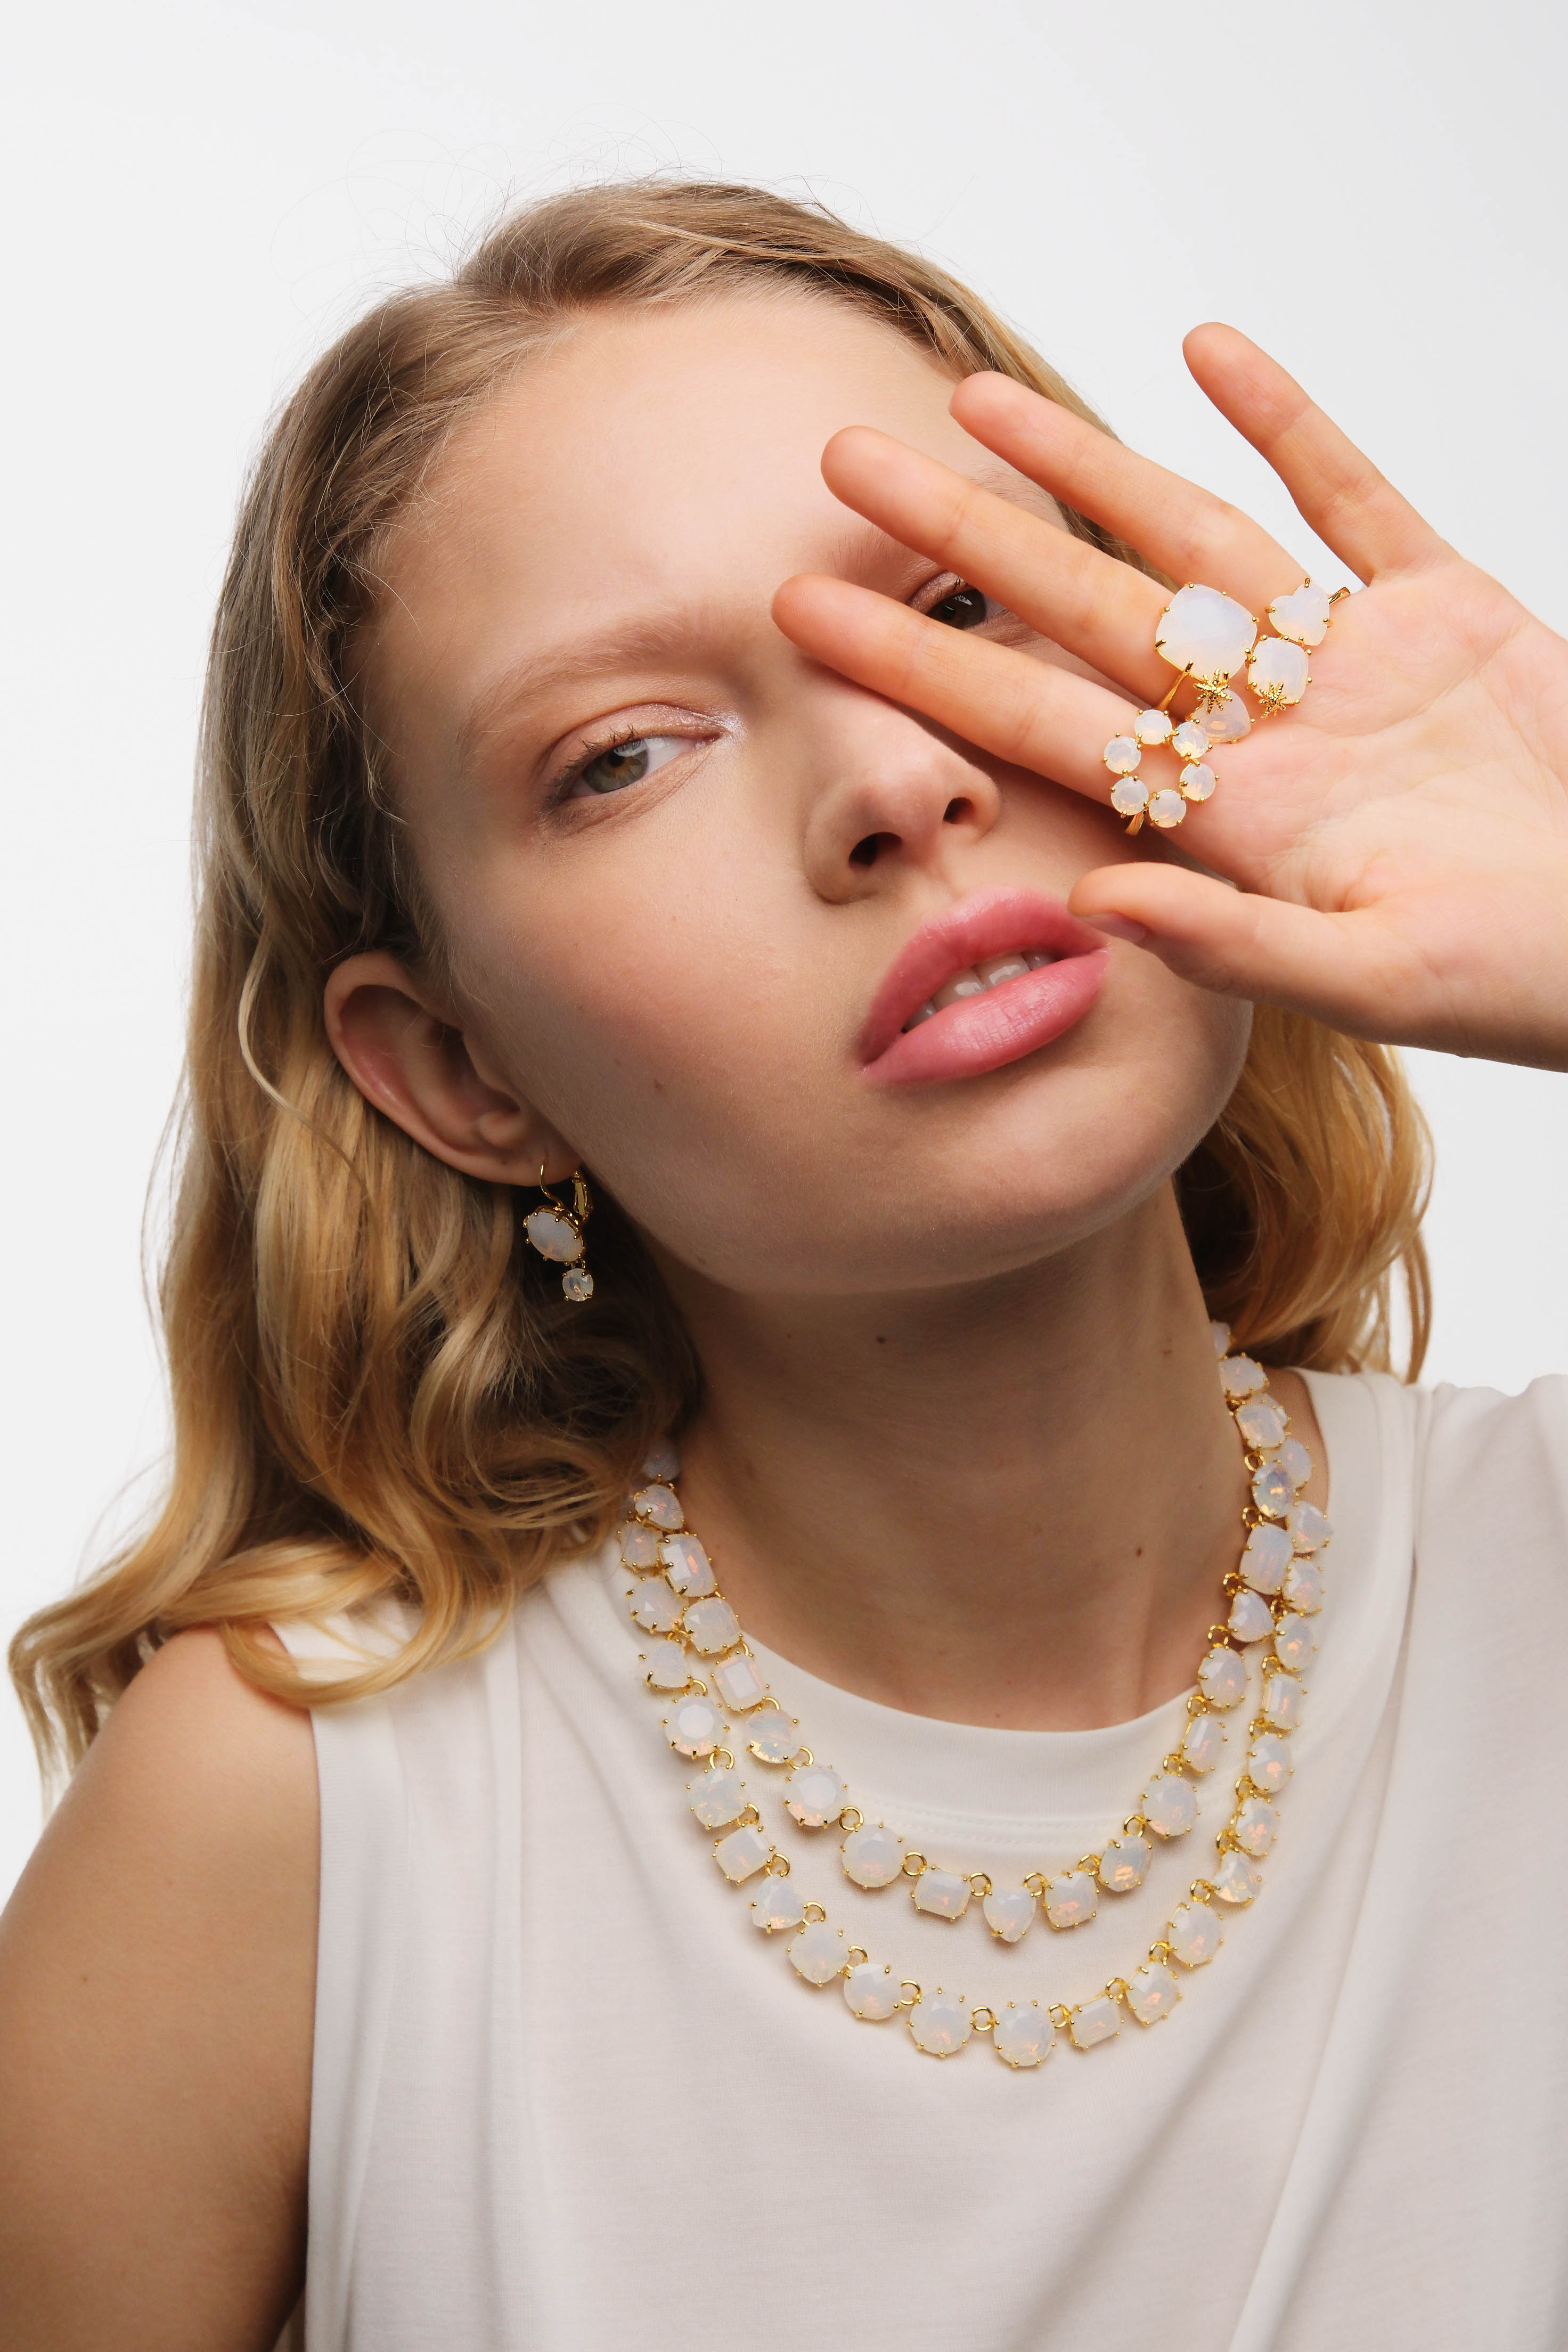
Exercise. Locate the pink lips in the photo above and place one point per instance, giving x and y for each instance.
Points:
(982, 1032)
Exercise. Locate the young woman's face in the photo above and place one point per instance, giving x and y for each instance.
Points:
(695, 887)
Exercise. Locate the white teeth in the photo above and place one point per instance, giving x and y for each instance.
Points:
(962, 984)
(924, 1013)
(1037, 956)
(1002, 966)
(978, 978)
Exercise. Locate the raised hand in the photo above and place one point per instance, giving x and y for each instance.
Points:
(1398, 841)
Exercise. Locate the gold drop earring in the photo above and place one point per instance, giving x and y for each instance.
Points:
(556, 1232)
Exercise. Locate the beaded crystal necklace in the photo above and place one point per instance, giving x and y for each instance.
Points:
(1274, 1592)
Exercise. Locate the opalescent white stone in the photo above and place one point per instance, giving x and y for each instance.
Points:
(870, 1992)
(1121, 754)
(1229, 720)
(1202, 1743)
(1295, 1461)
(1304, 1588)
(658, 1504)
(778, 1906)
(694, 1727)
(1190, 739)
(1295, 1641)
(1303, 615)
(772, 1737)
(1268, 1764)
(553, 1235)
(1222, 1677)
(941, 1893)
(1237, 1879)
(817, 1952)
(1205, 634)
(716, 1798)
(663, 1463)
(1152, 1992)
(1070, 1900)
(1128, 797)
(1261, 1424)
(656, 1608)
(1265, 1557)
(738, 1683)
(669, 1667)
(1153, 727)
(1256, 1826)
(712, 1626)
(1309, 1530)
(1276, 672)
(1023, 2034)
(1009, 1912)
(1124, 1863)
(816, 1795)
(1194, 1933)
(688, 1566)
(940, 2023)
(1220, 1334)
(742, 1854)
(1197, 781)
(1166, 809)
(640, 1545)
(1283, 1698)
(1250, 1617)
(1240, 1377)
(874, 1855)
(577, 1283)
(1095, 2020)
(1272, 1491)
(1170, 1805)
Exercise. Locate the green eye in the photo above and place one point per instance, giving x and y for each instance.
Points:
(961, 608)
(622, 764)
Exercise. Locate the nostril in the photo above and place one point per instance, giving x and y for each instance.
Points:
(866, 851)
(956, 810)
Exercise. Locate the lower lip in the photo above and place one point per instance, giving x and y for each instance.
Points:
(985, 1033)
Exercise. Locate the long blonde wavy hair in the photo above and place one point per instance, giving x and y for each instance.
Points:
(375, 1393)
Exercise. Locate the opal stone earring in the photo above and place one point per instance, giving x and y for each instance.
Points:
(556, 1232)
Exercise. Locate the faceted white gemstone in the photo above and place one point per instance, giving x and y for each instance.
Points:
(1152, 1992)
(669, 1667)
(1023, 2034)
(817, 1952)
(1153, 727)
(1241, 1377)
(1303, 615)
(1070, 1900)
(1121, 754)
(1250, 1617)
(873, 1856)
(694, 1727)
(1276, 672)
(1202, 1743)
(1256, 1824)
(1128, 797)
(940, 2023)
(742, 1854)
(1009, 1912)
(1237, 1879)
(1295, 1461)
(577, 1283)
(941, 1893)
(871, 1992)
(1268, 1763)
(1229, 720)
(1190, 739)
(553, 1235)
(778, 1906)
(738, 1683)
(1261, 1424)
(772, 1737)
(1205, 634)
(716, 1798)
(1266, 1558)
(1197, 781)
(1095, 2020)
(1220, 1334)
(1124, 1863)
(1309, 1530)
(816, 1795)
(1166, 809)
(1283, 1697)
(664, 1462)
(1222, 1677)
(640, 1545)
(656, 1608)
(1272, 1491)
(1194, 1933)
(1170, 1805)
(1295, 1641)
(1304, 1588)
(712, 1626)
(658, 1504)
(687, 1565)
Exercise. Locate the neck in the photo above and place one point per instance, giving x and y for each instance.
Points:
(1010, 1504)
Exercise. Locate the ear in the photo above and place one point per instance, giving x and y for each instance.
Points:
(408, 1058)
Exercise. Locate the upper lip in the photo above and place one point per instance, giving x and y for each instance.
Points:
(986, 923)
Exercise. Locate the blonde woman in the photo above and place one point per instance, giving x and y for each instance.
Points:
(726, 1732)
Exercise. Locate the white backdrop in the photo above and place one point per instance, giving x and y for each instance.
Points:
(200, 194)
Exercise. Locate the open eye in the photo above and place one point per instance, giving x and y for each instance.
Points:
(624, 762)
(957, 604)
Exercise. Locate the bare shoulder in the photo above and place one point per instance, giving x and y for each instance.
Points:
(157, 1970)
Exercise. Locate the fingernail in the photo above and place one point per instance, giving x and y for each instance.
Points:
(1117, 927)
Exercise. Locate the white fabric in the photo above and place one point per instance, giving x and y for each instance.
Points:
(567, 2097)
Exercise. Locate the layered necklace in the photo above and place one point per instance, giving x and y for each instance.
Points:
(700, 1663)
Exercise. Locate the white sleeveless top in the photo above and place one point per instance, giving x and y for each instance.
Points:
(568, 2099)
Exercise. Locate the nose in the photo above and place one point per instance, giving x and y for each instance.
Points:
(893, 792)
